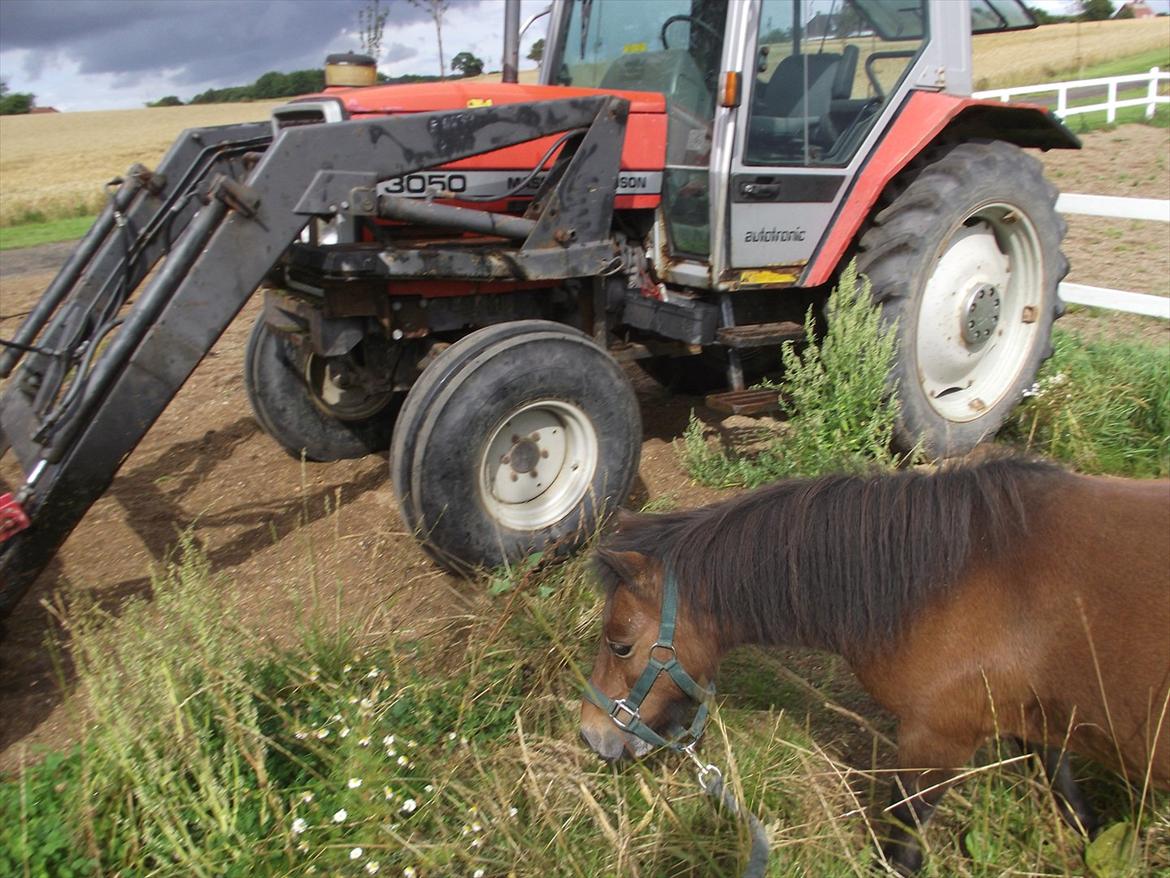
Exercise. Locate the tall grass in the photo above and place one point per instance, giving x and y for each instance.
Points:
(211, 752)
(1102, 406)
(835, 392)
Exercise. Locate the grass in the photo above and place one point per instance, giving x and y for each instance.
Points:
(47, 232)
(834, 391)
(1101, 406)
(1098, 121)
(212, 752)
(1068, 51)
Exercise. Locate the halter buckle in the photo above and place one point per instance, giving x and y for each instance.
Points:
(669, 647)
(619, 706)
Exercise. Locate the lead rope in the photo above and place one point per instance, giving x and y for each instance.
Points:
(711, 782)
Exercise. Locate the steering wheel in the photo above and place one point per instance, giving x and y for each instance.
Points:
(688, 18)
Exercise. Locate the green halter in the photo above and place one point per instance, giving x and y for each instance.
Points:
(625, 711)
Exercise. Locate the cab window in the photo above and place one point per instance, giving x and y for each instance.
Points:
(825, 69)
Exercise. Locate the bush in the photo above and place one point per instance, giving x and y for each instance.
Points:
(835, 392)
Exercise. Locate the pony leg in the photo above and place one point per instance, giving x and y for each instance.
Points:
(1070, 802)
(916, 795)
(917, 792)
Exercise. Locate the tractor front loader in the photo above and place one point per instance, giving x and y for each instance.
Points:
(460, 272)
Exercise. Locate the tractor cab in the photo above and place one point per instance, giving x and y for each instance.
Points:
(774, 106)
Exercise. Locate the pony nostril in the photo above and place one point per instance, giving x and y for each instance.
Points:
(604, 745)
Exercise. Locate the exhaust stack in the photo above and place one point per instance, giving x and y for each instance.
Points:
(511, 41)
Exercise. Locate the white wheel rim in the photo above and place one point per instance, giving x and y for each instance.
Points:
(993, 257)
(538, 465)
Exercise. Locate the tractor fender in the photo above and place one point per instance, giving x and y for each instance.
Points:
(924, 119)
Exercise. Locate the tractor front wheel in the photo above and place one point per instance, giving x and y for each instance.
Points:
(517, 438)
(965, 262)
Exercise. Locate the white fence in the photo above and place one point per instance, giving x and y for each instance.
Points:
(1156, 209)
(1110, 84)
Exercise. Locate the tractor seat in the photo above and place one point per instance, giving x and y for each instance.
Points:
(784, 107)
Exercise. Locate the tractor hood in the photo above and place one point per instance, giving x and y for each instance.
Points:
(643, 159)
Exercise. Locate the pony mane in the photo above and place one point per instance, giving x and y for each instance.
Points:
(839, 562)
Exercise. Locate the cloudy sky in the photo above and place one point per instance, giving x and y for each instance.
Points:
(104, 54)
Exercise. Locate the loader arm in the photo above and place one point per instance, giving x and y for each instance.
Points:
(71, 445)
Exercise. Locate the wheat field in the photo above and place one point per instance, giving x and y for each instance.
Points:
(55, 165)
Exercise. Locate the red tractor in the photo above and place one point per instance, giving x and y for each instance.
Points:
(457, 271)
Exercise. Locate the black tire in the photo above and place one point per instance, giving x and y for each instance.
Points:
(471, 488)
(288, 410)
(966, 261)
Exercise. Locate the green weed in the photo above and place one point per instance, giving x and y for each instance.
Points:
(835, 392)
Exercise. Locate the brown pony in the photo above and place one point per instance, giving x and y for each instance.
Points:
(1006, 597)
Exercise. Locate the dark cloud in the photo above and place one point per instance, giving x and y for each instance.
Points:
(197, 42)
(397, 52)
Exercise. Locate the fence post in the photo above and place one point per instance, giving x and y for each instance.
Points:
(1062, 101)
(1111, 109)
(1152, 93)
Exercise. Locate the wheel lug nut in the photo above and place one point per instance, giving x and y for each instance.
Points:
(505, 459)
(544, 454)
(535, 437)
(514, 477)
(515, 438)
(533, 474)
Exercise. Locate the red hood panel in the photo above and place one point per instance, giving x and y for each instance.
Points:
(459, 95)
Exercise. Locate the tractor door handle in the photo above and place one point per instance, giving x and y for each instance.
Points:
(759, 191)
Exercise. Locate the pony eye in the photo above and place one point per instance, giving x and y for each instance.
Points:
(621, 650)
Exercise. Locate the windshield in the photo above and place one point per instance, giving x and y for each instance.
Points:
(600, 32)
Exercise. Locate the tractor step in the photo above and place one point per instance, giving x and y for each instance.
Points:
(759, 335)
(744, 402)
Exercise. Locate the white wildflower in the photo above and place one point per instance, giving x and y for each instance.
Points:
(367, 703)
(347, 669)
(388, 741)
(429, 788)
(371, 673)
(340, 816)
(409, 872)
(512, 812)
(451, 736)
(336, 718)
(409, 805)
(300, 736)
(306, 797)
(478, 873)
(403, 761)
(476, 842)
(322, 733)
(363, 742)
(354, 783)
(475, 827)
(344, 731)
(373, 866)
(299, 825)
(356, 854)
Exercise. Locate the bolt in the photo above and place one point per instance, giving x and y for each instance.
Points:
(535, 437)
(514, 477)
(397, 335)
(544, 454)
(504, 458)
(533, 474)
(515, 438)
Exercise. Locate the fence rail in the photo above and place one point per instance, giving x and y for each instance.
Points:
(1154, 209)
(1110, 84)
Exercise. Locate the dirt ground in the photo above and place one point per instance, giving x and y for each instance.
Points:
(266, 520)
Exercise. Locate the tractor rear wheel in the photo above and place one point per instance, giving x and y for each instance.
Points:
(517, 438)
(965, 262)
(313, 405)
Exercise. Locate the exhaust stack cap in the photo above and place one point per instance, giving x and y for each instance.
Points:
(350, 70)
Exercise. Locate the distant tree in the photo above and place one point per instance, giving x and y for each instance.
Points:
(536, 53)
(371, 21)
(1043, 16)
(436, 9)
(271, 85)
(467, 64)
(1096, 10)
(14, 103)
(1125, 12)
(168, 101)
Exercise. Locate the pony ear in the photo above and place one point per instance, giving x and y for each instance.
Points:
(625, 518)
(632, 569)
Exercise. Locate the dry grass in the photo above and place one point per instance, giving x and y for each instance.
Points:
(1060, 51)
(54, 166)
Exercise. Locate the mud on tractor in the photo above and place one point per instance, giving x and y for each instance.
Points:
(457, 271)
